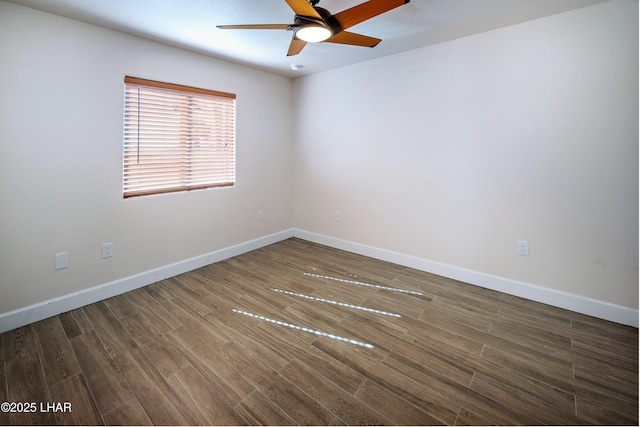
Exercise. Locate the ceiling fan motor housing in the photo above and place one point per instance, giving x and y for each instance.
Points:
(328, 21)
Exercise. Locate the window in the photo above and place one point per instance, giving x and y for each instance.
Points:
(176, 138)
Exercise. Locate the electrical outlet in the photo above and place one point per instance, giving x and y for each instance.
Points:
(107, 250)
(522, 247)
(338, 216)
(61, 260)
(260, 215)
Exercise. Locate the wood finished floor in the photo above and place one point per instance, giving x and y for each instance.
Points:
(192, 350)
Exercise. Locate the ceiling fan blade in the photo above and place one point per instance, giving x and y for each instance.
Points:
(345, 37)
(363, 11)
(296, 46)
(302, 7)
(255, 27)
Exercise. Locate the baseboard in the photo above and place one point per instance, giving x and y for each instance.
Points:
(33, 313)
(36, 312)
(591, 307)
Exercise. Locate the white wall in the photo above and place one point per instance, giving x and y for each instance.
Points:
(453, 152)
(61, 99)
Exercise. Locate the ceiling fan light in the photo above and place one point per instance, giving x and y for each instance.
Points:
(313, 33)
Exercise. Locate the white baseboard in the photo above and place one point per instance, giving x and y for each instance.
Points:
(591, 307)
(33, 313)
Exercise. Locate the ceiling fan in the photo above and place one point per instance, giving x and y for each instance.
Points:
(313, 24)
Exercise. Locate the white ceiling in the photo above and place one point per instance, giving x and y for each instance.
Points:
(191, 24)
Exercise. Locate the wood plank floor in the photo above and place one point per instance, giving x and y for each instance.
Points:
(297, 333)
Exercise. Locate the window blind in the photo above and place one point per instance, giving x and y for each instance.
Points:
(176, 138)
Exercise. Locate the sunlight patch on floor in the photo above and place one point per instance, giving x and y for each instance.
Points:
(341, 304)
(303, 328)
(354, 282)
